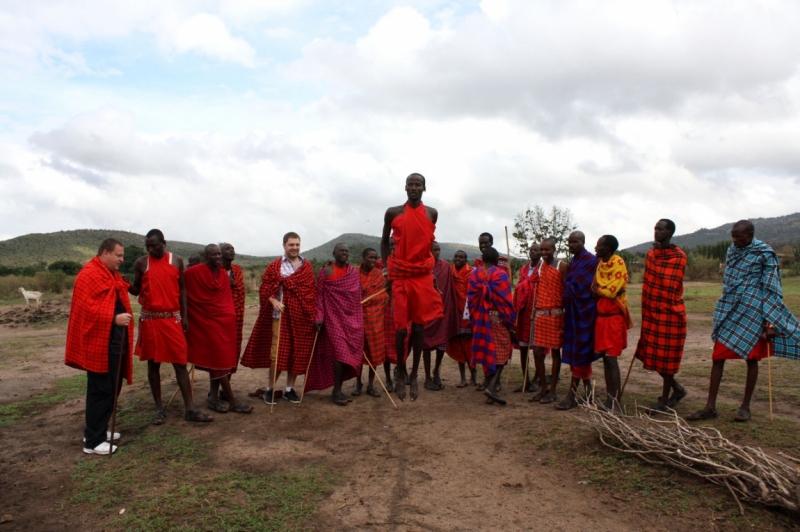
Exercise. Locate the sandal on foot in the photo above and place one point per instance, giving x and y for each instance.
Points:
(548, 398)
(390, 387)
(431, 386)
(676, 397)
(518, 389)
(657, 408)
(437, 381)
(566, 405)
(495, 399)
(160, 418)
(372, 392)
(258, 394)
(241, 408)
(742, 415)
(480, 387)
(462, 384)
(357, 390)
(217, 406)
(702, 415)
(538, 397)
(197, 416)
(340, 399)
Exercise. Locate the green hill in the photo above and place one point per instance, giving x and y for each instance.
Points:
(81, 245)
(774, 231)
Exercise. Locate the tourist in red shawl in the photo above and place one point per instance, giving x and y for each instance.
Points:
(373, 288)
(410, 274)
(523, 306)
(438, 331)
(211, 332)
(613, 320)
(486, 240)
(459, 347)
(289, 301)
(99, 339)
(663, 333)
(548, 317)
(158, 281)
(580, 314)
(491, 309)
(341, 324)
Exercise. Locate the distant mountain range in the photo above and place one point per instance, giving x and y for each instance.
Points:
(80, 245)
(774, 231)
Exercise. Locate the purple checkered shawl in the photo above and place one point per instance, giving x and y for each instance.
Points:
(580, 311)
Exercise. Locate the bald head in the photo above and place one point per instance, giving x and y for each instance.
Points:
(742, 233)
(576, 242)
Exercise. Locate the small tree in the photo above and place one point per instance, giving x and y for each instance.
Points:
(69, 267)
(535, 224)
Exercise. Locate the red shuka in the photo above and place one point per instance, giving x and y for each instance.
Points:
(374, 313)
(91, 317)
(212, 320)
(438, 331)
(161, 338)
(297, 321)
(238, 303)
(459, 348)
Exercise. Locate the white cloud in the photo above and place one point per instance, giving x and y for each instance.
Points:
(208, 34)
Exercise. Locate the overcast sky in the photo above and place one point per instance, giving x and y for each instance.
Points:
(240, 120)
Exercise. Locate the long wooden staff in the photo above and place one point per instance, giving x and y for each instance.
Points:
(619, 399)
(116, 389)
(175, 393)
(380, 381)
(376, 294)
(769, 378)
(276, 342)
(510, 281)
(308, 368)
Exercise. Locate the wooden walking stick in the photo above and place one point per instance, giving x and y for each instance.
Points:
(380, 381)
(619, 399)
(116, 389)
(175, 393)
(273, 356)
(769, 377)
(510, 282)
(376, 294)
(308, 368)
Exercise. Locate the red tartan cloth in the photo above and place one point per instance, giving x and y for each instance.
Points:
(548, 331)
(161, 339)
(212, 320)
(297, 322)
(342, 336)
(460, 283)
(374, 312)
(459, 348)
(663, 335)
(523, 301)
(91, 317)
(239, 295)
(489, 291)
(438, 331)
(502, 263)
(761, 351)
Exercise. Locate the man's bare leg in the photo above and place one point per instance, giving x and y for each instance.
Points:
(556, 370)
(399, 345)
(185, 385)
(573, 389)
(523, 362)
(491, 388)
(426, 362)
(717, 368)
(154, 379)
(750, 383)
(612, 376)
(387, 371)
(416, 345)
(338, 378)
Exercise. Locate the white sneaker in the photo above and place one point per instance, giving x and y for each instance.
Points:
(103, 448)
(117, 436)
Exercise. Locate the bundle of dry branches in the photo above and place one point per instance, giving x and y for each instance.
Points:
(750, 474)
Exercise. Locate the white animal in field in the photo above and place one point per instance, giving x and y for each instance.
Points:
(36, 296)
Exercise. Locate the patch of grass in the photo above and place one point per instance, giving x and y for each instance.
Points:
(25, 347)
(64, 389)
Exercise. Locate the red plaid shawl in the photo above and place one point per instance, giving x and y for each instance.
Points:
(438, 331)
(502, 263)
(238, 304)
(91, 317)
(489, 291)
(663, 334)
(374, 313)
(523, 301)
(297, 322)
(212, 320)
(342, 335)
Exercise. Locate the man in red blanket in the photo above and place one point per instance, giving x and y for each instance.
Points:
(492, 311)
(236, 276)
(288, 309)
(373, 291)
(211, 332)
(341, 324)
(486, 240)
(660, 346)
(99, 339)
(438, 331)
(158, 281)
(459, 347)
(523, 306)
(410, 274)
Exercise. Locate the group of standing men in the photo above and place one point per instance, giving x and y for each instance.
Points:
(328, 327)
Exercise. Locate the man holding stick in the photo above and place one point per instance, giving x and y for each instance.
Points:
(523, 306)
(410, 275)
(288, 309)
(660, 346)
(100, 340)
(751, 321)
(341, 324)
(373, 292)
(486, 240)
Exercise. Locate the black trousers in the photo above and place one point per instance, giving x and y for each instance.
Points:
(100, 400)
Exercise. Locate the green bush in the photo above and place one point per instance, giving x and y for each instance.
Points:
(69, 267)
(702, 268)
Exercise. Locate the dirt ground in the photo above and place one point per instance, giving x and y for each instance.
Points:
(445, 462)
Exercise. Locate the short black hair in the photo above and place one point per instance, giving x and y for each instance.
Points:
(415, 174)
(611, 242)
(367, 250)
(460, 251)
(491, 238)
(205, 250)
(747, 224)
(670, 224)
(155, 232)
(109, 244)
(290, 234)
(491, 256)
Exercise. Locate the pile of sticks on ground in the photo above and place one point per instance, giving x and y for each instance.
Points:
(750, 474)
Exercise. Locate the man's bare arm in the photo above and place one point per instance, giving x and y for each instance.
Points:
(433, 214)
(182, 287)
(390, 215)
(138, 270)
